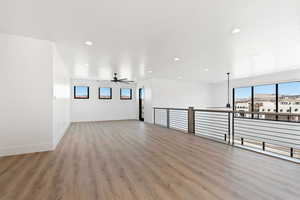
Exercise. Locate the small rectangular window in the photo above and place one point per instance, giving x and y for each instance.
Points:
(81, 92)
(125, 94)
(105, 93)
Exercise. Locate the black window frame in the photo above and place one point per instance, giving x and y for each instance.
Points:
(99, 96)
(277, 110)
(125, 98)
(88, 92)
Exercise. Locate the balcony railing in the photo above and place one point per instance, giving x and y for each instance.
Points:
(278, 134)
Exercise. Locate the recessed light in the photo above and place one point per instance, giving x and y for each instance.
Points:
(179, 77)
(176, 59)
(236, 31)
(89, 43)
(206, 69)
(86, 65)
(149, 71)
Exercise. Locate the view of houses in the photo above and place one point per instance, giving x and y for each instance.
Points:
(267, 103)
(264, 101)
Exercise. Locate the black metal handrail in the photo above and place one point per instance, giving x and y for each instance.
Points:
(248, 112)
(224, 125)
(170, 108)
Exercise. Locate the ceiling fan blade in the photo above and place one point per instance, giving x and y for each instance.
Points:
(121, 80)
(125, 81)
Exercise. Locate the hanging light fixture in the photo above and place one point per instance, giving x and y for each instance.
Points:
(228, 93)
(228, 88)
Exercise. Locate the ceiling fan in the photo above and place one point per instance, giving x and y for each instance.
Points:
(121, 80)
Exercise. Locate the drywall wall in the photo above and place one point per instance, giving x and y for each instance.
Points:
(180, 93)
(61, 96)
(219, 90)
(26, 95)
(174, 93)
(35, 95)
(95, 109)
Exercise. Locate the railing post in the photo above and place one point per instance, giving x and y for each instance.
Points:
(168, 118)
(154, 116)
(229, 124)
(292, 152)
(232, 128)
(191, 120)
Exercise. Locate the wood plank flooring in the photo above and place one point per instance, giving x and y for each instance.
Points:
(130, 160)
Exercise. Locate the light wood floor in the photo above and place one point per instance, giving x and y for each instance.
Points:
(130, 160)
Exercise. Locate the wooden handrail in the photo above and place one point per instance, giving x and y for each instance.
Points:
(233, 111)
(165, 108)
(248, 112)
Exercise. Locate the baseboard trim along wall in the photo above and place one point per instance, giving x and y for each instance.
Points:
(24, 149)
(33, 148)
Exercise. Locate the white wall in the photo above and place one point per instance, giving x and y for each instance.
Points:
(180, 94)
(95, 109)
(26, 95)
(35, 95)
(61, 96)
(174, 93)
(219, 90)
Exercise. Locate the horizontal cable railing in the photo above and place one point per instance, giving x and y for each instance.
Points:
(160, 117)
(212, 124)
(175, 118)
(178, 119)
(275, 133)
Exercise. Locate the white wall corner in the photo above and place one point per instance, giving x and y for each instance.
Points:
(61, 97)
(58, 136)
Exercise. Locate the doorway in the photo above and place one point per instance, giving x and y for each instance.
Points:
(141, 104)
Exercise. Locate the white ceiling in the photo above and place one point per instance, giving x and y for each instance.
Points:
(134, 36)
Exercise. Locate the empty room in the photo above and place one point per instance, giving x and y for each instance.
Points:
(149, 99)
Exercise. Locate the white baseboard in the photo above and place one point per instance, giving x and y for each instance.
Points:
(24, 149)
(33, 148)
